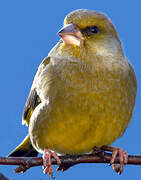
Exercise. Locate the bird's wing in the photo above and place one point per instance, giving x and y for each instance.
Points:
(34, 99)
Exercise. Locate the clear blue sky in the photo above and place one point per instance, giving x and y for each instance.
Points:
(28, 30)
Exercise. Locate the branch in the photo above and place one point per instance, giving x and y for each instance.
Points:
(66, 161)
(2, 177)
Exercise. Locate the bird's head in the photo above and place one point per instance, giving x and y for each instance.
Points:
(89, 32)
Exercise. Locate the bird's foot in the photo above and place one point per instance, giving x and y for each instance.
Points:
(47, 162)
(123, 158)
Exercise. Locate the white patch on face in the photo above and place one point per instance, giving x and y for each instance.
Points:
(71, 39)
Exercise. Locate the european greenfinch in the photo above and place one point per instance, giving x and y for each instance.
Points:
(83, 93)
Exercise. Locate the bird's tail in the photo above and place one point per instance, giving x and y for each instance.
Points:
(25, 149)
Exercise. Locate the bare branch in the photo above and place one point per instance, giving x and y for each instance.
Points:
(2, 177)
(67, 161)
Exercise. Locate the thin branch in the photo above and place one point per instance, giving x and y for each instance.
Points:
(67, 161)
(2, 177)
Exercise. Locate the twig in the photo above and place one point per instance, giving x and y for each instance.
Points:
(2, 177)
(66, 160)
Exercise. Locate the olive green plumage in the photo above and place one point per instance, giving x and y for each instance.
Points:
(84, 92)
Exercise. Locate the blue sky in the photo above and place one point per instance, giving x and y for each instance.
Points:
(28, 30)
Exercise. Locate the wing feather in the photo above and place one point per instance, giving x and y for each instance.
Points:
(33, 99)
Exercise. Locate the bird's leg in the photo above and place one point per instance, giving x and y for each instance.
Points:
(123, 157)
(47, 163)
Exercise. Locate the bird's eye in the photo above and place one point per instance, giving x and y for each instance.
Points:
(88, 31)
(94, 29)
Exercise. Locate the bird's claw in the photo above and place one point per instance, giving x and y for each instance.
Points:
(47, 162)
(123, 158)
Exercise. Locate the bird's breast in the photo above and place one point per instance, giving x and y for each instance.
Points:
(88, 106)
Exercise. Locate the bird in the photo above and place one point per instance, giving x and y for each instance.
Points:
(83, 93)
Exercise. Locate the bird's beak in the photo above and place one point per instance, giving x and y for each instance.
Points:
(71, 35)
